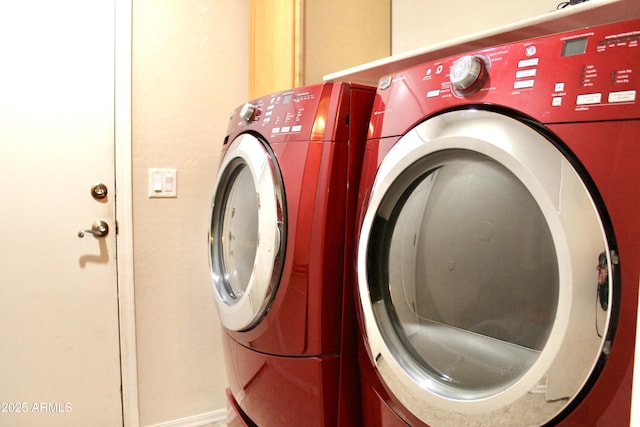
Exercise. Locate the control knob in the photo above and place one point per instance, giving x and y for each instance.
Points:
(468, 73)
(247, 111)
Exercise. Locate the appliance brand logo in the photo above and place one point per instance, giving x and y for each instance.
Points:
(384, 83)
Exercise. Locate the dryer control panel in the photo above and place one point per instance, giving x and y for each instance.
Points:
(585, 75)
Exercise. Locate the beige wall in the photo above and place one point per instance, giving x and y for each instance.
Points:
(189, 71)
(339, 34)
(419, 23)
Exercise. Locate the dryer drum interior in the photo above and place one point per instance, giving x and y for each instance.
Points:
(483, 273)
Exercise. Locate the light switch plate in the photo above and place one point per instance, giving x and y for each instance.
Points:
(163, 183)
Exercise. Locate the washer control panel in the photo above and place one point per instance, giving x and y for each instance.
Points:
(288, 115)
(585, 75)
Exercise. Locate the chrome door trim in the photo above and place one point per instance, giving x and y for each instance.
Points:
(243, 313)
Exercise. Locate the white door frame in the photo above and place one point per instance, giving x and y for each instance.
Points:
(124, 213)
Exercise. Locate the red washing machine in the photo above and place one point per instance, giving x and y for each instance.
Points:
(282, 227)
(498, 249)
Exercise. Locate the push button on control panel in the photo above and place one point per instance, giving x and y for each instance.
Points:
(589, 98)
(533, 62)
(526, 73)
(523, 84)
(624, 96)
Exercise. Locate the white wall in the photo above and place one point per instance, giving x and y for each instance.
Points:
(189, 71)
(419, 23)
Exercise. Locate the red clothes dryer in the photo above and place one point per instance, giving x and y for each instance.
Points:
(282, 227)
(498, 248)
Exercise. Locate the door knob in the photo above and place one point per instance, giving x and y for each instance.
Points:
(98, 229)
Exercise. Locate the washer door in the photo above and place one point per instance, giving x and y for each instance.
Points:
(247, 232)
(483, 273)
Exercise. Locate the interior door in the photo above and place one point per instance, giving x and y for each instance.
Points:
(59, 307)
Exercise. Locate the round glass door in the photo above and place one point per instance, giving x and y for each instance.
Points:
(246, 234)
(477, 273)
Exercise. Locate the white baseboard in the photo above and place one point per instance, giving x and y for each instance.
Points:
(217, 416)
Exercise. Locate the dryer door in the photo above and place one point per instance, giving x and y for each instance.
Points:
(483, 274)
(246, 237)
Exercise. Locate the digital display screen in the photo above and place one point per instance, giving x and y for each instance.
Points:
(286, 98)
(574, 47)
